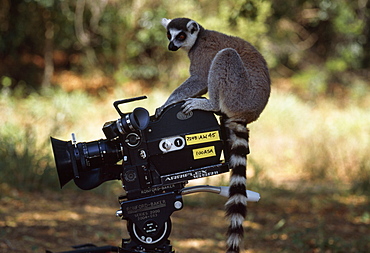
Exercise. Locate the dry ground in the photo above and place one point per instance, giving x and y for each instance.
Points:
(283, 221)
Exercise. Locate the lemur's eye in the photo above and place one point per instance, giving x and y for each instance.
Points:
(168, 36)
(181, 37)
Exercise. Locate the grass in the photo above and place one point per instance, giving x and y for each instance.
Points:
(293, 140)
(316, 142)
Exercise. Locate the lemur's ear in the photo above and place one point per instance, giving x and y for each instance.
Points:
(192, 26)
(165, 22)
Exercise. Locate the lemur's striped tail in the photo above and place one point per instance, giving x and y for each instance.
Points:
(236, 206)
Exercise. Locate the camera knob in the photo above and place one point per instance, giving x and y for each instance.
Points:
(167, 145)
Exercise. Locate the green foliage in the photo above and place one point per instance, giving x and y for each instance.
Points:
(329, 36)
(124, 39)
(312, 82)
(247, 19)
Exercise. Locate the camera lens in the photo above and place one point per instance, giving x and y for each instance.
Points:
(86, 161)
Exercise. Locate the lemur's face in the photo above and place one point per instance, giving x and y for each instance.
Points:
(181, 32)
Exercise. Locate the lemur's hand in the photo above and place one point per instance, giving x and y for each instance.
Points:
(192, 104)
(189, 105)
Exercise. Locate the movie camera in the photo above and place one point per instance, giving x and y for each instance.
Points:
(154, 158)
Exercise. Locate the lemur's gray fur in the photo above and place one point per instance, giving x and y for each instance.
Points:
(238, 83)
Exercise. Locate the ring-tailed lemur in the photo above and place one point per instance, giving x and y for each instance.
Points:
(238, 83)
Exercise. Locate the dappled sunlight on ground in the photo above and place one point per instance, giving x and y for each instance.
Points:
(283, 221)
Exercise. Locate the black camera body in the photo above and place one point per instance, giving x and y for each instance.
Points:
(150, 155)
(172, 149)
(154, 158)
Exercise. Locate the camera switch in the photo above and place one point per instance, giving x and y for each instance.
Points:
(173, 143)
(167, 145)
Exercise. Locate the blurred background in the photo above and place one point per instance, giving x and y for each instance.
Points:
(63, 63)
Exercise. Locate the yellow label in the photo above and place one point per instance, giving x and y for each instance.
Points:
(192, 139)
(204, 152)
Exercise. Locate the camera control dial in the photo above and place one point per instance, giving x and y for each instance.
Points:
(132, 140)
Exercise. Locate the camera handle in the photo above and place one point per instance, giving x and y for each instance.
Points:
(124, 101)
(221, 190)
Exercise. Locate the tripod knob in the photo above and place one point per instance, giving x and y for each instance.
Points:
(119, 213)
